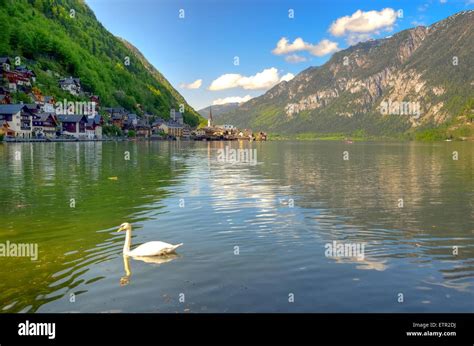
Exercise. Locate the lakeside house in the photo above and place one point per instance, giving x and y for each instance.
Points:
(94, 127)
(143, 128)
(172, 128)
(45, 125)
(117, 115)
(200, 132)
(130, 121)
(73, 125)
(16, 120)
(186, 131)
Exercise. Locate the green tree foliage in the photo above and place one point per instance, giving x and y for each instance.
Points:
(112, 131)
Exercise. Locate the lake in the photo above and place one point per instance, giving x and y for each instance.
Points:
(256, 234)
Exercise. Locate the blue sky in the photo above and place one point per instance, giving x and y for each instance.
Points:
(197, 53)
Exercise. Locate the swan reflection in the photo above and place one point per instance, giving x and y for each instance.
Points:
(125, 280)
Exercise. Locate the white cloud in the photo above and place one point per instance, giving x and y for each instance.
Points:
(194, 85)
(261, 80)
(295, 58)
(231, 99)
(322, 48)
(287, 77)
(284, 48)
(364, 22)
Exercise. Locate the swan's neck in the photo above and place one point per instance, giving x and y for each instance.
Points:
(128, 242)
(126, 266)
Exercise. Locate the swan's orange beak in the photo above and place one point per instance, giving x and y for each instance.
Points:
(121, 229)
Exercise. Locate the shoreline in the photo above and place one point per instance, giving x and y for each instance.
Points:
(340, 137)
(278, 139)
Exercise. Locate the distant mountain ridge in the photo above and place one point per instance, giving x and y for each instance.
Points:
(429, 67)
(218, 110)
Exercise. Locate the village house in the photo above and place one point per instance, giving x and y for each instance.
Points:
(73, 125)
(186, 131)
(70, 84)
(4, 129)
(115, 110)
(5, 63)
(200, 132)
(155, 126)
(130, 121)
(143, 128)
(45, 125)
(16, 80)
(16, 120)
(157, 122)
(33, 107)
(94, 127)
(172, 129)
(117, 120)
(27, 73)
(117, 115)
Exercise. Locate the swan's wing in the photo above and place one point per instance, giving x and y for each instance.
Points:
(153, 248)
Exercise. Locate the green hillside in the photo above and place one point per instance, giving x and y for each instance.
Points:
(63, 38)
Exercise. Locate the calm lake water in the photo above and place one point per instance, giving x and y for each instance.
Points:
(254, 235)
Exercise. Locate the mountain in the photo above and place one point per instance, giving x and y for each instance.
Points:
(362, 88)
(218, 110)
(64, 38)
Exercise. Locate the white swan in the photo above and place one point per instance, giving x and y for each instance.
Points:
(152, 248)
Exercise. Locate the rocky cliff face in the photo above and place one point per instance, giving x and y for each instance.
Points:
(417, 77)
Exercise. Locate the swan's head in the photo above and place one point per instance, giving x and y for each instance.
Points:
(125, 227)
